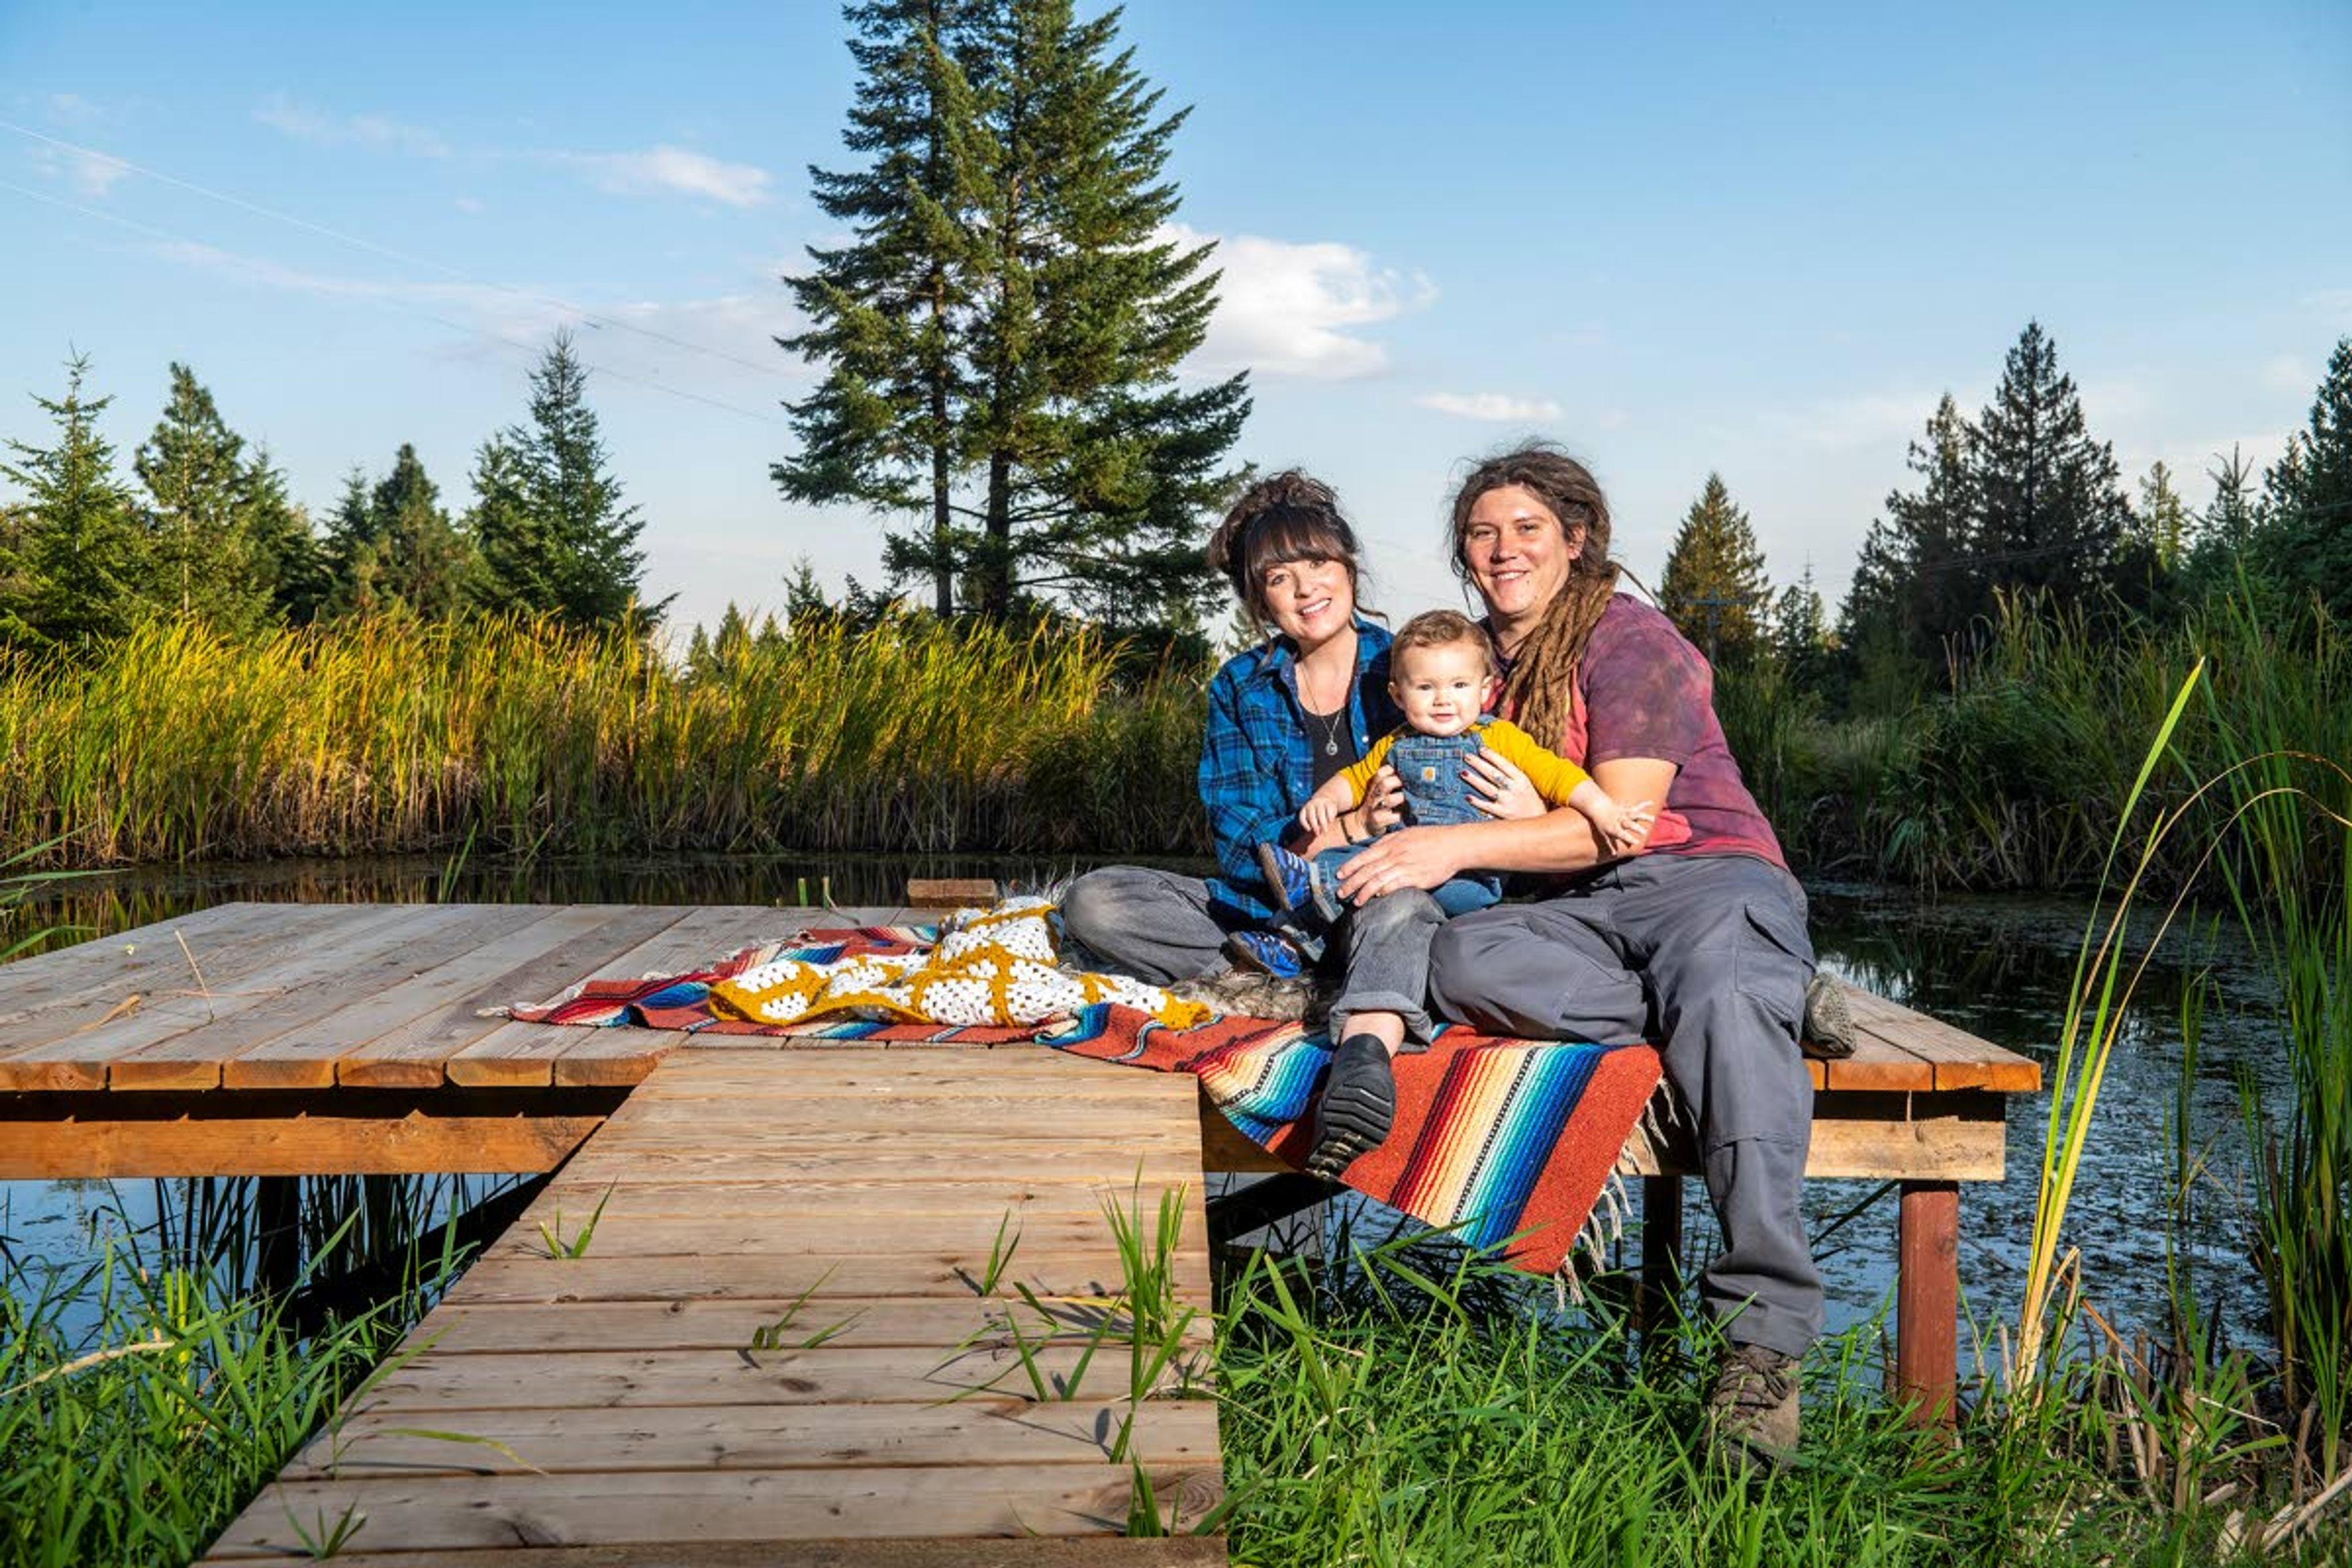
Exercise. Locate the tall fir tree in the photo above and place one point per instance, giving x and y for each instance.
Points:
(2227, 523)
(1002, 341)
(81, 558)
(2051, 510)
(2305, 527)
(1096, 464)
(1915, 589)
(1800, 635)
(887, 312)
(393, 549)
(554, 536)
(279, 540)
(201, 550)
(1714, 587)
(2162, 524)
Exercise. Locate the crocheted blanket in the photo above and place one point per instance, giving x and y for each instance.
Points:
(1505, 1141)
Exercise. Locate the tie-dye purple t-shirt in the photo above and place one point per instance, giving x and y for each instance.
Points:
(1643, 690)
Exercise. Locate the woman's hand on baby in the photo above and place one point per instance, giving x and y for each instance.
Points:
(1383, 801)
(1500, 788)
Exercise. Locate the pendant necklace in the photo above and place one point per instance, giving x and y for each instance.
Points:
(1329, 722)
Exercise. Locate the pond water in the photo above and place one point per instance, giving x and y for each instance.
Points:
(1997, 967)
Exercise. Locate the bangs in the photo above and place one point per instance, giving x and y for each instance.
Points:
(1291, 534)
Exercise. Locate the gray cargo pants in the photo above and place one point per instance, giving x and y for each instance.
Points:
(1161, 926)
(1709, 954)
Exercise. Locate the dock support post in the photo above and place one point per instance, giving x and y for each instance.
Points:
(1928, 1300)
(278, 1233)
(1661, 1259)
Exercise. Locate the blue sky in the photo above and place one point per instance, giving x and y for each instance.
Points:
(1677, 238)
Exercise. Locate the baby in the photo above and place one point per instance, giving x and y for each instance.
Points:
(1442, 674)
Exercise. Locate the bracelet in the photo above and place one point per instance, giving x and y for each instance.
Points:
(1352, 838)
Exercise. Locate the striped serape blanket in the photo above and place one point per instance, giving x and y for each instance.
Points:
(1503, 1142)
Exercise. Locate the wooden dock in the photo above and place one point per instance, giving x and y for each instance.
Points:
(794, 1334)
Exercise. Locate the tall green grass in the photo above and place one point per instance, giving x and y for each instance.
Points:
(147, 1394)
(179, 745)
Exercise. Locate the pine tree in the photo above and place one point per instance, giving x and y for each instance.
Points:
(278, 542)
(1916, 593)
(351, 552)
(2305, 528)
(518, 560)
(403, 554)
(554, 536)
(1801, 633)
(1027, 197)
(2228, 520)
(1096, 464)
(193, 467)
(2162, 523)
(1714, 586)
(2050, 508)
(887, 313)
(81, 558)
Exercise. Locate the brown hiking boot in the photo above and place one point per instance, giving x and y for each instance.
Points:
(1829, 1023)
(1751, 1420)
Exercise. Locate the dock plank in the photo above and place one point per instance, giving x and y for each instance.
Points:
(1956, 1059)
(764, 1505)
(618, 1396)
(514, 1055)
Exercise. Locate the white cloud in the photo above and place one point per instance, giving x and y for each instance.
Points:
(2287, 372)
(1861, 420)
(372, 131)
(660, 171)
(74, 109)
(468, 203)
(1497, 407)
(719, 348)
(2115, 400)
(1286, 308)
(92, 174)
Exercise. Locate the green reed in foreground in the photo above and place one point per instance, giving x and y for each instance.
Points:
(140, 1411)
(1399, 1407)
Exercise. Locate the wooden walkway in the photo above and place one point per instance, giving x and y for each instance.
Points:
(794, 1321)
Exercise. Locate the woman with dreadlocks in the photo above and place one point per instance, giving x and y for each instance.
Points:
(1695, 939)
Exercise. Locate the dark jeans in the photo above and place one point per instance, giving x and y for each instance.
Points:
(1709, 954)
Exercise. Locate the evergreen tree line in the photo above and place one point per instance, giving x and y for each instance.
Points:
(2021, 506)
(204, 530)
(1000, 334)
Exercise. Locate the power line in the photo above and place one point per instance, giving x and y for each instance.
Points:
(402, 258)
(152, 231)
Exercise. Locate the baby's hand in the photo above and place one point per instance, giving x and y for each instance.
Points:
(1319, 814)
(1623, 827)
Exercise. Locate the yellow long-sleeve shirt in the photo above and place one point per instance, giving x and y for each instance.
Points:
(1554, 777)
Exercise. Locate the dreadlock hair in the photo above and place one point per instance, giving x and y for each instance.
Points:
(1539, 691)
(1288, 516)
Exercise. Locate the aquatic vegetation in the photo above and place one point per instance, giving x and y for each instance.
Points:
(177, 745)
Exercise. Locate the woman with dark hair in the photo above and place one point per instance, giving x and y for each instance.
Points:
(1696, 939)
(1283, 717)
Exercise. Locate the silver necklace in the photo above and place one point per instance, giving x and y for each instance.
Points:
(1330, 723)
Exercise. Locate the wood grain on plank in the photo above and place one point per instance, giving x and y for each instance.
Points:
(416, 1052)
(467, 1328)
(523, 1055)
(1959, 1059)
(988, 1430)
(1028, 1552)
(236, 981)
(364, 957)
(767, 1506)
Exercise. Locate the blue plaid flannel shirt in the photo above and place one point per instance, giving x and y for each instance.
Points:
(1257, 758)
